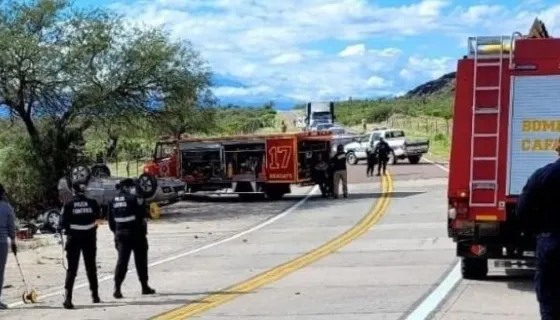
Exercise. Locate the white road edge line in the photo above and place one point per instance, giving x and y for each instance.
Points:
(432, 301)
(191, 252)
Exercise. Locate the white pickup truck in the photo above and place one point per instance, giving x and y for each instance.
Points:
(401, 146)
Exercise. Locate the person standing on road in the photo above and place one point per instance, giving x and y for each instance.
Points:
(338, 162)
(370, 162)
(538, 211)
(78, 220)
(7, 230)
(382, 150)
(127, 221)
(321, 176)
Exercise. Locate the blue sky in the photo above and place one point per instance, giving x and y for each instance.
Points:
(304, 50)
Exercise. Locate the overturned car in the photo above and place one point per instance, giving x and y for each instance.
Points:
(101, 186)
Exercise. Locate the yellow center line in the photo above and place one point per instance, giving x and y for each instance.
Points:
(211, 301)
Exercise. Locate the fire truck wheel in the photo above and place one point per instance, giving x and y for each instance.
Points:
(147, 185)
(474, 268)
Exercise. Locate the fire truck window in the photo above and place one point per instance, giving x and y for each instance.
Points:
(164, 151)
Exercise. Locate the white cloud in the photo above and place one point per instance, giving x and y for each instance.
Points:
(242, 92)
(271, 46)
(378, 82)
(286, 58)
(353, 50)
(427, 68)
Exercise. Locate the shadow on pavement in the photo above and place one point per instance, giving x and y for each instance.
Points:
(208, 211)
(516, 279)
(121, 303)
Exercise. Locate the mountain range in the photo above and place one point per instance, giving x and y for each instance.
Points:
(443, 85)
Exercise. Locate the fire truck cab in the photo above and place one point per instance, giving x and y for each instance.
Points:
(506, 124)
(246, 165)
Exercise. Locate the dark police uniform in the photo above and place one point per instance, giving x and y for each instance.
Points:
(321, 177)
(127, 222)
(382, 150)
(338, 162)
(538, 210)
(78, 220)
(370, 162)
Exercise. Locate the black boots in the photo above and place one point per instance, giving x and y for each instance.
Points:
(68, 300)
(95, 297)
(146, 289)
(117, 292)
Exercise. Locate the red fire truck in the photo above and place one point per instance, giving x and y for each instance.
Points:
(506, 125)
(247, 165)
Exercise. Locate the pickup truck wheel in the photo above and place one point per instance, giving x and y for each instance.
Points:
(414, 159)
(351, 158)
(474, 268)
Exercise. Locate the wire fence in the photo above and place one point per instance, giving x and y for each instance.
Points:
(423, 124)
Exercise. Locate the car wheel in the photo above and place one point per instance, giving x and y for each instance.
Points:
(351, 158)
(392, 158)
(80, 174)
(52, 219)
(100, 171)
(147, 185)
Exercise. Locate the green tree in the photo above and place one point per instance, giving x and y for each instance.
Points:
(63, 69)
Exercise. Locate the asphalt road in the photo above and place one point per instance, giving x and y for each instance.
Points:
(383, 253)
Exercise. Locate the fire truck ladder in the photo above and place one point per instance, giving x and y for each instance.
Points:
(486, 60)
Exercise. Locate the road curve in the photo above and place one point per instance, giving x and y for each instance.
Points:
(399, 256)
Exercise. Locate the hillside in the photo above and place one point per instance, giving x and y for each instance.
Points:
(442, 86)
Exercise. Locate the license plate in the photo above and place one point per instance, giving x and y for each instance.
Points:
(181, 193)
(529, 254)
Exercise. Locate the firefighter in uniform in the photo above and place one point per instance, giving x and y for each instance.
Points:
(321, 176)
(338, 162)
(127, 221)
(538, 210)
(78, 219)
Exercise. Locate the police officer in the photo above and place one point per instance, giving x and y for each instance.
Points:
(382, 150)
(78, 221)
(7, 231)
(370, 161)
(538, 210)
(127, 221)
(338, 162)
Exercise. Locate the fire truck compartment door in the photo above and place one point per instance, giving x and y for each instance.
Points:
(534, 127)
(281, 159)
